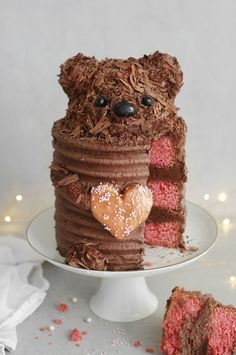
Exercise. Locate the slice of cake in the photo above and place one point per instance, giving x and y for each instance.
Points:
(121, 135)
(197, 324)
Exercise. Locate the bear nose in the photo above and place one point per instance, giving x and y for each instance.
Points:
(124, 109)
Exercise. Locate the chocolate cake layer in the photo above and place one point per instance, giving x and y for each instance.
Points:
(163, 215)
(175, 173)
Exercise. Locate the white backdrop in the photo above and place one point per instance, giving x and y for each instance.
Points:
(37, 36)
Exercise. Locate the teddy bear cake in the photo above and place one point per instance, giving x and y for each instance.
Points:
(119, 161)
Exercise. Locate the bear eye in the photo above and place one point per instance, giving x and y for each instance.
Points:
(147, 101)
(101, 101)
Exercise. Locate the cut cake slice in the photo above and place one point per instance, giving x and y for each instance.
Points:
(195, 324)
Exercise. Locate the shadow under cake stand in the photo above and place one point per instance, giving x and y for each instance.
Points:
(123, 296)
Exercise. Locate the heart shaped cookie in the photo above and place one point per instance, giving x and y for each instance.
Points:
(121, 213)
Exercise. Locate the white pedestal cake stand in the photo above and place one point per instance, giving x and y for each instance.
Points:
(124, 296)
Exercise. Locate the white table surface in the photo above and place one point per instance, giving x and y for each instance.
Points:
(211, 274)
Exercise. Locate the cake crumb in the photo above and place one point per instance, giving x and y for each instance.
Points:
(137, 343)
(57, 321)
(62, 307)
(149, 350)
(75, 335)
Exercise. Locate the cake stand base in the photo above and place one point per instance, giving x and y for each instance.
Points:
(123, 296)
(123, 299)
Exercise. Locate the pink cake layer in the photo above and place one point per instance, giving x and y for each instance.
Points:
(221, 339)
(163, 152)
(166, 194)
(166, 234)
(184, 306)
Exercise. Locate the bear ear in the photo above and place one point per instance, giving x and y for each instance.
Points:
(76, 73)
(164, 72)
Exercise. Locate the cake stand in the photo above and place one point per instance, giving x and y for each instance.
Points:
(123, 296)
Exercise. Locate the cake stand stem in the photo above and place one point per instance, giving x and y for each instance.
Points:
(123, 299)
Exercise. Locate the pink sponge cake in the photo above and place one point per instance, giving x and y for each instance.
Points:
(165, 225)
(197, 324)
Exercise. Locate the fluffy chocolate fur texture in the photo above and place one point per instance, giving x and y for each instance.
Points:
(85, 78)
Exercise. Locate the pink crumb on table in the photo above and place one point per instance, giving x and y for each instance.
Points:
(149, 350)
(165, 194)
(163, 152)
(166, 234)
(137, 343)
(57, 321)
(75, 335)
(62, 307)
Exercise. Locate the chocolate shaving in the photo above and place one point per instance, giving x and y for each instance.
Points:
(57, 167)
(102, 125)
(87, 256)
(67, 180)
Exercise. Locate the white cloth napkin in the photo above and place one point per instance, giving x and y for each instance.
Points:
(22, 287)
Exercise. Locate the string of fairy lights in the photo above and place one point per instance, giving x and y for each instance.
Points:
(222, 197)
(7, 219)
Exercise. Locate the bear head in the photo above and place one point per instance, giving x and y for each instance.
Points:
(120, 100)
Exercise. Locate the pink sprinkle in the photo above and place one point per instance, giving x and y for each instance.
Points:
(42, 329)
(62, 307)
(75, 335)
(57, 321)
(137, 343)
(149, 350)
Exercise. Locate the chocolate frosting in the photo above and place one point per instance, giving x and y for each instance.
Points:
(92, 146)
(86, 255)
(84, 79)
